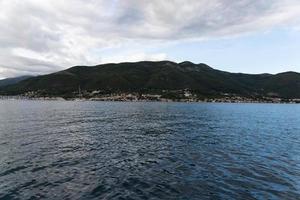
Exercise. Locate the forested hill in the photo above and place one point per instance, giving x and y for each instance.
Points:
(155, 77)
(11, 81)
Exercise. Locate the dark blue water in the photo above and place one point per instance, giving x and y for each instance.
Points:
(102, 150)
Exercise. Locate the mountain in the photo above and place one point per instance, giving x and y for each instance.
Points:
(11, 81)
(157, 77)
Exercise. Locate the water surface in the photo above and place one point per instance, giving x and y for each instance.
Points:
(110, 150)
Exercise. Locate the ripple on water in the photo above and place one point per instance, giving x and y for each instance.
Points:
(100, 150)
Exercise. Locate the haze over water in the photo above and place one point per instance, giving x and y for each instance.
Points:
(110, 150)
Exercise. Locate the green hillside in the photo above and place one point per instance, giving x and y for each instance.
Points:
(154, 77)
(12, 81)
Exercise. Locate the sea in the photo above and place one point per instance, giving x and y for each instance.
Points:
(148, 150)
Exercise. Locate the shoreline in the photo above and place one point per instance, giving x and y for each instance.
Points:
(233, 101)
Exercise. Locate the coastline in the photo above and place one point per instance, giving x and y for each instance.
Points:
(110, 99)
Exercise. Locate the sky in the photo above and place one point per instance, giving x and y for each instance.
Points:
(250, 36)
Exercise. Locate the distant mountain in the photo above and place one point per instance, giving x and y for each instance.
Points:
(11, 81)
(155, 77)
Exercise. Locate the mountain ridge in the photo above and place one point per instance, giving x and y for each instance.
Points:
(13, 80)
(159, 76)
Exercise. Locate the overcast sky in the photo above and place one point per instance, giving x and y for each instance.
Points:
(252, 36)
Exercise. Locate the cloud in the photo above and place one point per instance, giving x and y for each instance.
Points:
(41, 36)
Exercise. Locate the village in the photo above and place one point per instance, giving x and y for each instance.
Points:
(165, 96)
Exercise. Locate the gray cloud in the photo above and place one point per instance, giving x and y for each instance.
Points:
(41, 36)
